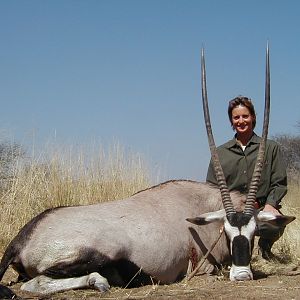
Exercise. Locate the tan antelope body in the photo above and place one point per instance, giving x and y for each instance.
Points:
(148, 230)
(149, 237)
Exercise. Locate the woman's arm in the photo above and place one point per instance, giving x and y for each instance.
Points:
(278, 179)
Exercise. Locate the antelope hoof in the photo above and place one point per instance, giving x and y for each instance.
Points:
(98, 282)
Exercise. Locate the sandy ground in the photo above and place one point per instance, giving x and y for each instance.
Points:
(277, 281)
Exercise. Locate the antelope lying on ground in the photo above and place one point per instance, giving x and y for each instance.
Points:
(150, 237)
(109, 243)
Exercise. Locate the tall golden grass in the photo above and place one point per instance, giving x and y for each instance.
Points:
(60, 176)
(289, 244)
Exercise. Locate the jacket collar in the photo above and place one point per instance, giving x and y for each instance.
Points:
(255, 139)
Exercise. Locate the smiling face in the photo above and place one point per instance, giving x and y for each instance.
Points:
(242, 120)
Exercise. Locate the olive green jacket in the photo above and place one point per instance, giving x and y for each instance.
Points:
(238, 166)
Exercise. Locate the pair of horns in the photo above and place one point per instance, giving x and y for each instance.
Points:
(251, 197)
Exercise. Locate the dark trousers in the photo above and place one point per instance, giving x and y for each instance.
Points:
(268, 234)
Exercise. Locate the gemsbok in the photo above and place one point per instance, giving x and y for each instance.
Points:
(152, 236)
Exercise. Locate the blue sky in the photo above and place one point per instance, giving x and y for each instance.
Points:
(130, 71)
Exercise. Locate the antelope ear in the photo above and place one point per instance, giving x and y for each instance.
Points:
(209, 217)
(278, 220)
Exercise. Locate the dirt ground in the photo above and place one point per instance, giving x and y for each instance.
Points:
(280, 281)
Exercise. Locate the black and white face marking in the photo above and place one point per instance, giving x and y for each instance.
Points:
(240, 228)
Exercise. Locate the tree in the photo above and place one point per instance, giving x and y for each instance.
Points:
(290, 146)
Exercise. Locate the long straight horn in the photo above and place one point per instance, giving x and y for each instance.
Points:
(251, 197)
(227, 202)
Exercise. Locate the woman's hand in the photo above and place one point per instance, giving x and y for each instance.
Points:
(271, 209)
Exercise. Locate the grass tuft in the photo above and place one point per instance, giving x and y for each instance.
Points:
(288, 246)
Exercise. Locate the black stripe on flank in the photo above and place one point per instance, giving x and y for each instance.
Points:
(118, 273)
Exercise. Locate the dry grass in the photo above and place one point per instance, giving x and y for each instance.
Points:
(287, 248)
(62, 176)
(288, 245)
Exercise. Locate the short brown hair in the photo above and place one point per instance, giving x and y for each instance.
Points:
(243, 101)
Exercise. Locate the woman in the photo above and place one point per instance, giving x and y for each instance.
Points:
(238, 157)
